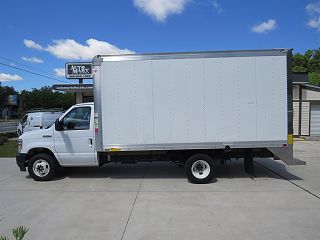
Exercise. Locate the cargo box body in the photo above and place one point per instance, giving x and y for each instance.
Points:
(205, 100)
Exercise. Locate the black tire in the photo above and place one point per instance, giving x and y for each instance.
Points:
(44, 161)
(203, 163)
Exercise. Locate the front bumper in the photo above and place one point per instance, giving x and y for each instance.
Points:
(21, 161)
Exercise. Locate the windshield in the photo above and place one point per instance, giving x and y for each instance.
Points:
(24, 119)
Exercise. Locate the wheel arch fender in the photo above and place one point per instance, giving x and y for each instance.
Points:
(38, 150)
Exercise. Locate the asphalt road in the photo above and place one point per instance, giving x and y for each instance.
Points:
(155, 201)
(5, 127)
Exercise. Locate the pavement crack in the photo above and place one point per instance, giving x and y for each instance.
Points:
(290, 181)
(134, 203)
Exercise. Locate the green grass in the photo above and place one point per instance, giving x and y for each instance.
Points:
(9, 149)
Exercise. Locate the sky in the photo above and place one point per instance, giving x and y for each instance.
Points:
(41, 36)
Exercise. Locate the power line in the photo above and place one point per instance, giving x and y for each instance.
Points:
(38, 74)
(23, 64)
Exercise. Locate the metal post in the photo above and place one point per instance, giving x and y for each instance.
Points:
(300, 109)
(80, 82)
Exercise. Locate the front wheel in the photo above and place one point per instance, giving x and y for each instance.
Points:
(42, 167)
(199, 168)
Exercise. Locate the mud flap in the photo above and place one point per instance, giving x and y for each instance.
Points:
(286, 155)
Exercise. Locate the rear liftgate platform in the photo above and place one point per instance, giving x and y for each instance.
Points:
(280, 153)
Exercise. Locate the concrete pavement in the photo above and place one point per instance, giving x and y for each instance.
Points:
(155, 201)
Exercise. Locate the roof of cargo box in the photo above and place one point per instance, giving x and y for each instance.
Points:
(180, 55)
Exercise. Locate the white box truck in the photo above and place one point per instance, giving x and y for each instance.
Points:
(196, 109)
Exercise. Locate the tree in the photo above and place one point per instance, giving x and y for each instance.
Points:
(42, 98)
(300, 63)
(5, 90)
(308, 62)
(314, 78)
(45, 98)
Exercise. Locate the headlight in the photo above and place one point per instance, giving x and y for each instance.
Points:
(19, 145)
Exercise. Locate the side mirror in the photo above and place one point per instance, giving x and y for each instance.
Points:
(57, 125)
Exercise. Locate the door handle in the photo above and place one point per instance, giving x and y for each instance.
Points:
(90, 141)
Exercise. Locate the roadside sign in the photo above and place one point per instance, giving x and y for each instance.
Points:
(79, 70)
(72, 87)
(11, 100)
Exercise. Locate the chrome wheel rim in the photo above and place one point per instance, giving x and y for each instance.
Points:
(41, 168)
(200, 169)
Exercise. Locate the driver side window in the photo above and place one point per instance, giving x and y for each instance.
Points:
(77, 119)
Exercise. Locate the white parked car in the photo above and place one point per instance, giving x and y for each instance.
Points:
(37, 120)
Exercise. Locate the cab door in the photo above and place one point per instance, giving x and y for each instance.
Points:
(74, 144)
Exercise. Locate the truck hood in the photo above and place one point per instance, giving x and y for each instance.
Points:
(37, 134)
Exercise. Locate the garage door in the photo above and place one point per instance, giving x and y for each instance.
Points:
(315, 119)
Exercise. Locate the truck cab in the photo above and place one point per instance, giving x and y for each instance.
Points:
(67, 142)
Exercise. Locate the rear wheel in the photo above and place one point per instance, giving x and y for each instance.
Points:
(42, 167)
(200, 168)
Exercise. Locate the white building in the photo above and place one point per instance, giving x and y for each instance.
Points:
(306, 106)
